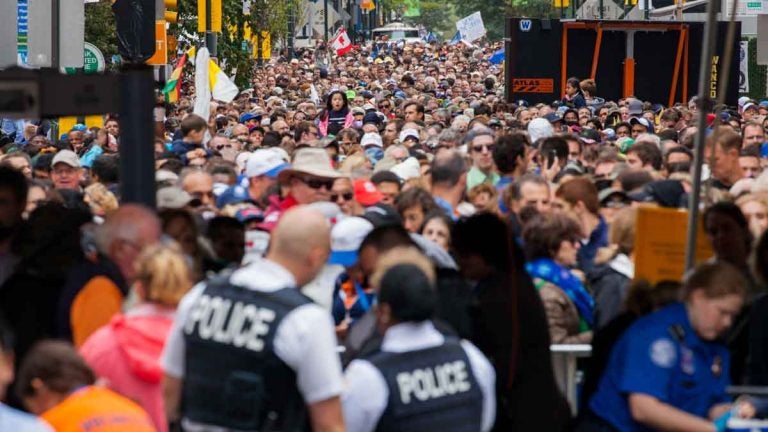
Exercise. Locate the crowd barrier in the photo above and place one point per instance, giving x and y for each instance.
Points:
(564, 358)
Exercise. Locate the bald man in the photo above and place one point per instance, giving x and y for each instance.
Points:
(251, 338)
(95, 290)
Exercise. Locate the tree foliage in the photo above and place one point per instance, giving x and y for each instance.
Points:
(266, 15)
(436, 16)
(100, 28)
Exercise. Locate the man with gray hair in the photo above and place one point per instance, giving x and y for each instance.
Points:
(95, 290)
(480, 145)
(449, 138)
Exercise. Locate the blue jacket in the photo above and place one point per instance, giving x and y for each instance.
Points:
(181, 148)
(661, 355)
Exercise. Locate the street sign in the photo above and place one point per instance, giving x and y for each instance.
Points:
(22, 28)
(71, 25)
(161, 45)
(78, 95)
(7, 33)
(19, 95)
(93, 61)
(754, 7)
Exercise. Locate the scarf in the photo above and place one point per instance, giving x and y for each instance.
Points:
(552, 272)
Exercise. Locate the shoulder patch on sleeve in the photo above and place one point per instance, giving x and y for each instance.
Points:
(663, 353)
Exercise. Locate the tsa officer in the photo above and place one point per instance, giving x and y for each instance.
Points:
(669, 371)
(420, 380)
(249, 352)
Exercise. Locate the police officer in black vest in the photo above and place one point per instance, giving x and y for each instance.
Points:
(420, 380)
(249, 352)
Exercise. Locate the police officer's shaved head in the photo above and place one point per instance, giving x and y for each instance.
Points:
(301, 243)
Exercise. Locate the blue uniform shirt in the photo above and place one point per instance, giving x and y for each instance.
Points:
(676, 367)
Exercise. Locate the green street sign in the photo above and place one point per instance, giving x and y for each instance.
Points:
(93, 61)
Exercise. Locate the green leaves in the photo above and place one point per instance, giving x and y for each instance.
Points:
(100, 28)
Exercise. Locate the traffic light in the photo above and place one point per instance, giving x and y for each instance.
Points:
(171, 14)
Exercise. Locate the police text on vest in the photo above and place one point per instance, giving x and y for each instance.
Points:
(246, 327)
(431, 383)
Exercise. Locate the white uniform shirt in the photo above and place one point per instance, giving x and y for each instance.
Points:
(366, 394)
(305, 339)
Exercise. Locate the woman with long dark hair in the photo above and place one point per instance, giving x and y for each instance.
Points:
(336, 115)
(510, 326)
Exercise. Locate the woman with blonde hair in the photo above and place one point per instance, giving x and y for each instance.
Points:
(126, 352)
(755, 209)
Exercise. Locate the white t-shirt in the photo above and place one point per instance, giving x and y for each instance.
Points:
(366, 393)
(305, 339)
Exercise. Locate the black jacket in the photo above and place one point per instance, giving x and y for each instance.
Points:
(609, 289)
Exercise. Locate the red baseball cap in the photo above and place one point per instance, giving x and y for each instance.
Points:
(366, 192)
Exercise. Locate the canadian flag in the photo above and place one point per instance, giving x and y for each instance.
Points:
(341, 42)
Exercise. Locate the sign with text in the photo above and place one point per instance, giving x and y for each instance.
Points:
(161, 45)
(471, 27)
(533, 85)
(660, 241)
(743, 67)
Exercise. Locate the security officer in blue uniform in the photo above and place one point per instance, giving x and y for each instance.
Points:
(669, 371)
(420, 380)
(249, 352)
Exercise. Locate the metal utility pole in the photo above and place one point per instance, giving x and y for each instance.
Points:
(710, 38)
(137, 184)
(210, 36)
(325, 19)
(55, 54)
(291, 27)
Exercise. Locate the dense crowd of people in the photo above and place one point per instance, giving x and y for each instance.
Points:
(380, 241)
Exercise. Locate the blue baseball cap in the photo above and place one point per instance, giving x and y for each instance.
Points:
(553, 118)
(232, 195)
(249, 116)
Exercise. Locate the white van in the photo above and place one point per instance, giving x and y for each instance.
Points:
(398, 31)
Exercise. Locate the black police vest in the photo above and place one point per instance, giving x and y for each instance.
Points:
(433, 389)
(233, 378)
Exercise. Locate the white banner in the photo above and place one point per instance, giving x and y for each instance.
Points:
(471, 27)
(743, 67)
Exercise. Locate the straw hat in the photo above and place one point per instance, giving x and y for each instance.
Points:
(312, 161)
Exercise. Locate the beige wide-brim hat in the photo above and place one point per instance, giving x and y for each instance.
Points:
(312, 161)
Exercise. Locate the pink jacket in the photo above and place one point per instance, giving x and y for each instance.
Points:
(322, 124)
(126, 353)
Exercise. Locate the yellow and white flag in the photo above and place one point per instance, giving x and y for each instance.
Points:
(222, 88)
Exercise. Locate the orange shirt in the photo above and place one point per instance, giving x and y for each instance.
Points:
(97, 409)
(95, 304)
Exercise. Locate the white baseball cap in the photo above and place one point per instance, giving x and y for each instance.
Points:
(346, 237)
(409, 133)
(371, 139)
(264, 162)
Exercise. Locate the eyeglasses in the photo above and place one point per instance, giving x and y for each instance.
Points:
(479, 148)
(316, 183)
(347, 196)
(383, 106)
(200, 195)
